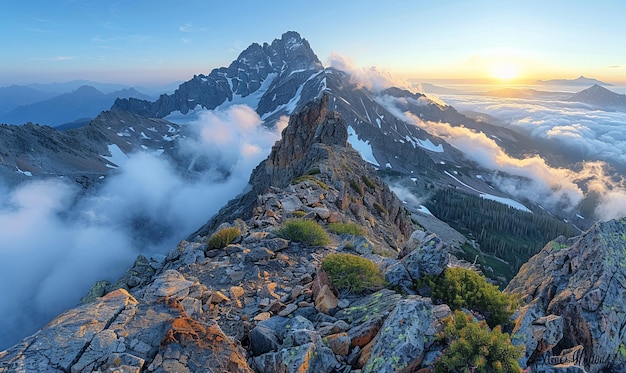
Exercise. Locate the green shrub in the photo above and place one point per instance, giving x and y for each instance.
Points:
(305, 231)
(463, 288)
(352, 272)
(368, 182)
(314, 171)
(472, 347)
(357, 187)
(223, 237)
(346, 228)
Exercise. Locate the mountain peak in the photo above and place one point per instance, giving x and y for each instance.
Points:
(601, 97)
(254, 71)
(87, 89)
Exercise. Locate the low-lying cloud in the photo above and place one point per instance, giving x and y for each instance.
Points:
(372, 78)
(555, 188)
(55, 242)
(595, 134)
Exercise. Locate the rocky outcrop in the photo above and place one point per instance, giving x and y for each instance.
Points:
(575, 294)
(314, 149)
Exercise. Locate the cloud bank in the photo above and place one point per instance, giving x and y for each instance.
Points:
(555, 188)
(55, 242)
(372, 78)
(595, 134)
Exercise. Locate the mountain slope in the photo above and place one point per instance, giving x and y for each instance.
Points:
(83, 154)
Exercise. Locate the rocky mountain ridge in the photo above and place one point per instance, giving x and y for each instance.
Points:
(262, 303)
(194, 309)
(281, 67)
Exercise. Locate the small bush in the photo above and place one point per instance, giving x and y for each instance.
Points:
(352, 272)
(463, 288)
(368, 182)
(314, 171)
(346, 228)
(472, 347)
(305, 231)
(357, 187)
(223, 237)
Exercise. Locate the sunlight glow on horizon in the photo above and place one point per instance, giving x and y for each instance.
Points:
(139, 44)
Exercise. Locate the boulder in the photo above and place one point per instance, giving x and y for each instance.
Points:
(399, 345)
(429, 258)
(325, 300)
(171, 284)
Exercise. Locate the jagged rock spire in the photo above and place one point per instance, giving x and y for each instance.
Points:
(313, 125)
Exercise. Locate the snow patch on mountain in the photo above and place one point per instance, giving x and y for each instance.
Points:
(503, 200)
(117, 157)
(363, 147)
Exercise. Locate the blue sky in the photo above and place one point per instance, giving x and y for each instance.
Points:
(160, 41)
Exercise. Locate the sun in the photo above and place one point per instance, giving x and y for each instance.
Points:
(505, 71)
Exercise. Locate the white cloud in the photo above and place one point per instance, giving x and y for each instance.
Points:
(373, 78)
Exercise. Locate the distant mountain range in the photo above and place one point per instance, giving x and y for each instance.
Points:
(580, 81)
(17, 95)
(86, 102)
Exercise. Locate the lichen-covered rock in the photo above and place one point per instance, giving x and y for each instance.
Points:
(399, 345)
(302, 350)
(582, 281)
(429, 258)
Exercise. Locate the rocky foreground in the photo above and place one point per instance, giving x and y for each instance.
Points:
(263, 304)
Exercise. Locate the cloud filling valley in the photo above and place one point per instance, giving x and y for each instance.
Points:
(56, 242)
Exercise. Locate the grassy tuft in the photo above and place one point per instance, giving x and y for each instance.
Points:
(346, 228)
(368, 182)
(357, 187)
(223, 237)
(305, 231)
(310, 178)
(352, 272)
